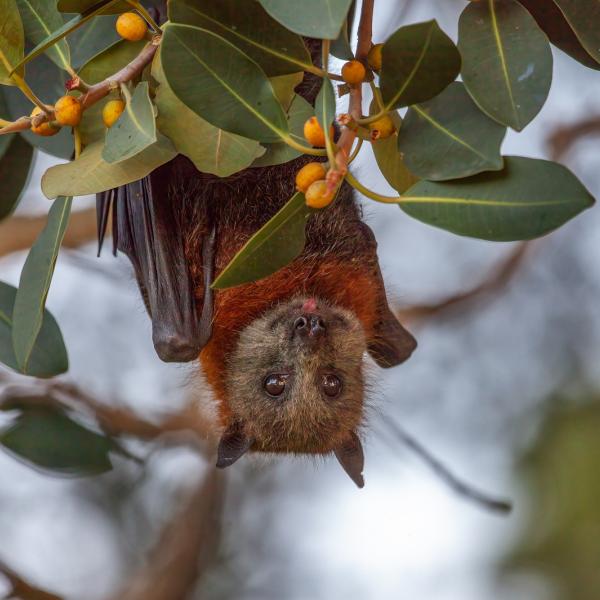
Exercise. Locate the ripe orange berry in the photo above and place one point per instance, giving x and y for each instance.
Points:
(354, 72)
(131, 26)
(314, 134)
(308, 174)
(45, 129)
(112, 111)
(317, 195)
(68, 111)
(374, 57)
(382, 128)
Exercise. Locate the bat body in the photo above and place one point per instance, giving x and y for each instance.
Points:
(284, 355)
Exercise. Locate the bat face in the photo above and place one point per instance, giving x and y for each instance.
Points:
(295, 379)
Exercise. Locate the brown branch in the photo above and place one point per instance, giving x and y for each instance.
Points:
(95, 92)
(564, 137)
(344, 146)
(498, 279)
(23, 589)
(185, 548)
(19, 233)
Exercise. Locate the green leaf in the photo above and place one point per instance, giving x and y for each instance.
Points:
(36, 276)
(47, 82)
(298, 113)
(389, 160)
(247, 26)
(527, 199)
(220, 153)
(98, 68)
(325, 106)
(66, 29)
(135, 130)
(49, 356)
(340, 47)
(15, 168)
(85, 6)
(90, 174)
(46, 437)
(12, 39)
(507, 61)
(321, 19)
(418, 62)
(554, 24)
(448, 137)
(91, 39)
(284, 87)
(583, 17)
(221, 84)
(40, 19)
(273, 246)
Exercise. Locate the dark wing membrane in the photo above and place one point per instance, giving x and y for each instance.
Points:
(149, 226)
(391, 344)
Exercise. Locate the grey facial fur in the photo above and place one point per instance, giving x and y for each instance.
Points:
(302, 419)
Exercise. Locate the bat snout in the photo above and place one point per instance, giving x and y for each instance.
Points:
(309, 327)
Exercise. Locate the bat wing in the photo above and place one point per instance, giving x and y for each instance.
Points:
(391, 344)
(149, 226)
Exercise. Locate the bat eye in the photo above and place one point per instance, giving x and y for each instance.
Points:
(331, 385)
(274, 384)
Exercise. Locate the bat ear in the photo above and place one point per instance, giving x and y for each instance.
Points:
(233, 445)
(350, 455)
(391, 343)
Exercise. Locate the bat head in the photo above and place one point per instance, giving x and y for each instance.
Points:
(295, 384)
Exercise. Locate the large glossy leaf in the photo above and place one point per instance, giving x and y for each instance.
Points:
(389, 159)
(273, 246)
(135, 130)
(276, 154)
(12, 39)
(507, 61)
(98, 68)
(84, 6)
(284, 87)
(341, 47)
(277, 50)
(321, 19)
(418, 62)
(221, 153)
(47, 81)
(202, 67)
(89, 174)
(36, 276)
(554, 24)
(15, 168)
(66, 29)
(93, 38)
(325, 110)
(583, 16)
(40, 19)
(47, 437)
(448, 137)
(527, 199)
(49, 356)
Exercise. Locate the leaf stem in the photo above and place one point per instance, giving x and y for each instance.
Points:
(356, 150)
(29, 93)
(365, 191)
(290, 141)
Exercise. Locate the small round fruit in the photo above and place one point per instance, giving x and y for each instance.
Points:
(131, 26)
(374, 57)
(45, 129)
(314, 134)
(68, 111)
(308, 174)
(382, 128)
(317, 195)
(112, 111)
(354, 72)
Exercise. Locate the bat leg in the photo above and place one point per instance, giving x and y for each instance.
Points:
(391, 343)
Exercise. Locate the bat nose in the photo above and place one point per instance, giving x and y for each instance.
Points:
(309, 327)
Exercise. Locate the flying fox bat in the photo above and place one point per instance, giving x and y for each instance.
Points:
(284, 355)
